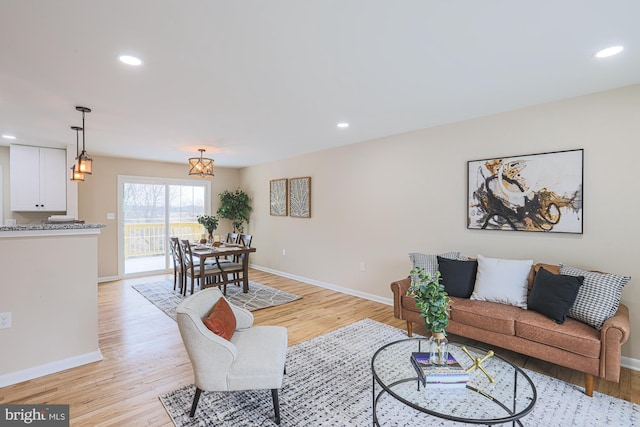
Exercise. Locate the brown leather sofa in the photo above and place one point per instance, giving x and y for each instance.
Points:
(573, 344)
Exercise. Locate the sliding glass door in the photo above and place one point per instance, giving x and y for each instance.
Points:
(151, 211)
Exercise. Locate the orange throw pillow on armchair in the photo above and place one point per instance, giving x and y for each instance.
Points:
(221, 320)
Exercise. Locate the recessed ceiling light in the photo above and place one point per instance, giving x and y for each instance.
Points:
(130, 60)
(8, 137)
(610, 51)
(343, 125)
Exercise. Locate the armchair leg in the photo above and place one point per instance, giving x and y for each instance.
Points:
(409, 328)
(276, 404)
(588, 385)
(196, 398)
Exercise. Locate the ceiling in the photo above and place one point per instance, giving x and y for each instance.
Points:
(256, 81)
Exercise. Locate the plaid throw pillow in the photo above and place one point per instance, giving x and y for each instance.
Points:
(429, 263)
(598, 298)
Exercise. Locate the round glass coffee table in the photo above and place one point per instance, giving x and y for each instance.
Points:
(510, 397)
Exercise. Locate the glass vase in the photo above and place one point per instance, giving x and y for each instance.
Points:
(438, 348)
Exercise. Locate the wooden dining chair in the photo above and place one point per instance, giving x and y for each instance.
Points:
(178, 271)
(212, 274)
(245, 240)
(232, 238)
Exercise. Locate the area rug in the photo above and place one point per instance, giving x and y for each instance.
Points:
(328, 383)
(162, 295)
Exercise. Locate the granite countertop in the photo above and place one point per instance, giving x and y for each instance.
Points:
(47, 226)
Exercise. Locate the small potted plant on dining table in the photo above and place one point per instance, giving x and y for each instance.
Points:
(210, 223)
(434, 305)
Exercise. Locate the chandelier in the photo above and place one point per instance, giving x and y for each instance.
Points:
(201, 166)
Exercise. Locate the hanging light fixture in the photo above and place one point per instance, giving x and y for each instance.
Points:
(85, 163)
(76, 175)
(201, 166)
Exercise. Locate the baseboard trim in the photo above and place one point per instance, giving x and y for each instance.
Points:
(625, 362)
(365, 295)
(107, 279)
(49, 368)
(630, 363)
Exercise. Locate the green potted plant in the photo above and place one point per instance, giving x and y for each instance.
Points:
(434, 305)
(210, 223)
(234, 206)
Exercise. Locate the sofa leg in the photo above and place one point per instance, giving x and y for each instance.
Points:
(588, 385)
(409, 328)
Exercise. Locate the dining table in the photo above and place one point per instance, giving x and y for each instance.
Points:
(238, 252)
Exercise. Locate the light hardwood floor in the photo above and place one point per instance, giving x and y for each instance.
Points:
(144, 356)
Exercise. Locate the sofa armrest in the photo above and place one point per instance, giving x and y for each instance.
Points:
(399, 288)
(614, 333)
(620, 322)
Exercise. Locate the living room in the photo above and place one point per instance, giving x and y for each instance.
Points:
(376, 200)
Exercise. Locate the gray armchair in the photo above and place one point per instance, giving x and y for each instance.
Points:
(253, 359)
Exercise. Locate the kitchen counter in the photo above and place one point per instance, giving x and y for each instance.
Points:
(47, 229)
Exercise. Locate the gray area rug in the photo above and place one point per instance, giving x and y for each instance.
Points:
(162, 295)
(328, 383)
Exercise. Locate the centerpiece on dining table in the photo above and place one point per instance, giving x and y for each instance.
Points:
(210, 223)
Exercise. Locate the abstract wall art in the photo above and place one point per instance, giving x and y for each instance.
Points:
(300, 197)
(534, 192)
(278, 197)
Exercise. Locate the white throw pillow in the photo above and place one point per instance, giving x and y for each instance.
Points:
(502, 280)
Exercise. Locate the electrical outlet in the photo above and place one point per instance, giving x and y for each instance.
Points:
(362, 266)
(5, 320)
(284, 252)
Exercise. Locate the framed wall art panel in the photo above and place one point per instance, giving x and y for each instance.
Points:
(533, 192)
(278, 197)
(300, 197)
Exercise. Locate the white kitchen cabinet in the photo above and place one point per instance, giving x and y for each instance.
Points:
(38, 178)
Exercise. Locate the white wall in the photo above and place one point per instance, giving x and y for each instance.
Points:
(376, 201)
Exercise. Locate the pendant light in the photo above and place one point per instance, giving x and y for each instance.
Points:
(76, 175)
(201, 166)
(85, 163)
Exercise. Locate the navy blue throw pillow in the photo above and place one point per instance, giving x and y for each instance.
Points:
(554, 294)
(458, 277)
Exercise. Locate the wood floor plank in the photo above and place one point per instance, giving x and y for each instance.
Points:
(143, 355)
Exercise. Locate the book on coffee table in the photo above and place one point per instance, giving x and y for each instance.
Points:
(430, 374)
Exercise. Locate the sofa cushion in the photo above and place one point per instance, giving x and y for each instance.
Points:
(598, 298)
(502, 280)
(458, 277)
(429, 263)
(490, 316)
(221, 321)
(553, 294)
(573, 336)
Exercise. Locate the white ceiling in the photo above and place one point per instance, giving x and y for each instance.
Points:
(256, 81)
